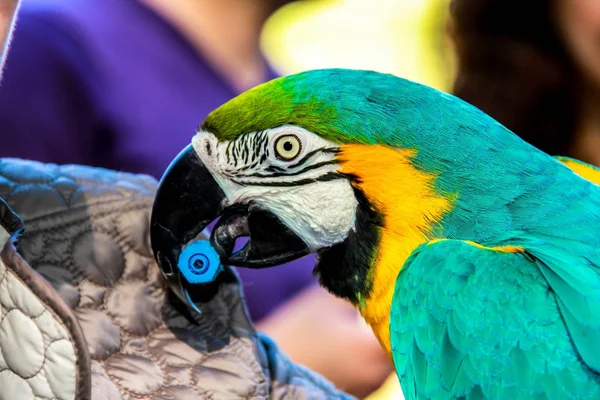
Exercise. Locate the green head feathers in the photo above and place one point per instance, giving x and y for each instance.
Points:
(343, 106)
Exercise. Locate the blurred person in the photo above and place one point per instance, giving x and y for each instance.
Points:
(8, 13)
(123, 84)
(535, 67)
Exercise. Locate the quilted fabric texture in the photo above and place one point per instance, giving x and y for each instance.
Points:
(42, 350)
(86, 236)
(37, 357)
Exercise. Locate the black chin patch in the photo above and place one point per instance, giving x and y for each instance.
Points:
(344, 269)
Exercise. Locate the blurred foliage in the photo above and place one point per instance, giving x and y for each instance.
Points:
(403, 37)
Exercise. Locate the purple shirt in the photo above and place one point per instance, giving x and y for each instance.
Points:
(109, 83)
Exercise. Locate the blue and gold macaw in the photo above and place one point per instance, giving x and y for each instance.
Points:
(474, 256)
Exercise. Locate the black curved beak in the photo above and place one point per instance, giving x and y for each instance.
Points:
(189, 198)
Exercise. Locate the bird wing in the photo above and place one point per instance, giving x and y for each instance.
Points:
(585, 170)
(474, 322)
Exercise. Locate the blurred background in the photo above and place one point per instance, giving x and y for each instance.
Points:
(123, 84)
(406, 38)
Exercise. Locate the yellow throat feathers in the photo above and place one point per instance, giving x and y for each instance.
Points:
(410, 206)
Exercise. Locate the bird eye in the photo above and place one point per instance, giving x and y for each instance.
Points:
(287, 147)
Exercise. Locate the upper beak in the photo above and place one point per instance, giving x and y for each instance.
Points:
(188, 198)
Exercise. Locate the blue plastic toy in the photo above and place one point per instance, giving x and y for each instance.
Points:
(199, 264)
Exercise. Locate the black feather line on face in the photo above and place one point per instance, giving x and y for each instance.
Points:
(246, 149)
(344, 269)
(249, 150)
(228, 152)
(323, 178)
(261, 148)
(274, 168)
(280, 174)
(308, 156)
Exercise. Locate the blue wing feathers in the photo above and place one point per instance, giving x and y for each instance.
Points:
(577, 287)
(586, 338)
(450, 364)
(491, 325)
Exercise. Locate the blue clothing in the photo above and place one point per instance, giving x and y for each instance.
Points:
(109, 83)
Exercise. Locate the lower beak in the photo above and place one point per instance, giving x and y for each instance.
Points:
(270, 241)
(189, 198)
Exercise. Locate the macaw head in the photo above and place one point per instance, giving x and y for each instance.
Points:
(341, 163)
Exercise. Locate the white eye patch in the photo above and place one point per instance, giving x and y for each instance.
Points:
(289, 171)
